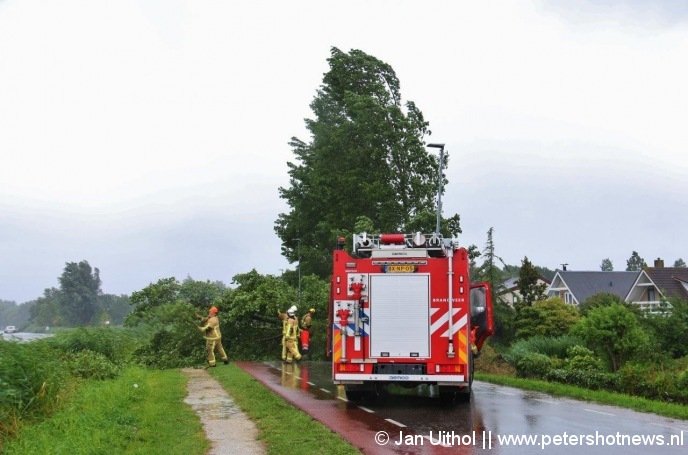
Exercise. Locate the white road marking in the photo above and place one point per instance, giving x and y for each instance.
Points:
(325, 390)
(669, 426)
(599, 412)
(311, 383)
(343, 399)
(367, 410)
(396, 423)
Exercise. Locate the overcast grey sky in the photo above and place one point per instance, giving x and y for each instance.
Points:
(150, 137)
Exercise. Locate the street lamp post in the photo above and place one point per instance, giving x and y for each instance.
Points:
(298, 267)
(439, 185)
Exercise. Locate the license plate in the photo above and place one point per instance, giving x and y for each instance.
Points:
(401, 268)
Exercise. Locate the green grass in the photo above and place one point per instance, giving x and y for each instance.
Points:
(600, 396)
(140, 412)
(283, 428)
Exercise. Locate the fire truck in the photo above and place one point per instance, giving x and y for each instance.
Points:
(402, 310)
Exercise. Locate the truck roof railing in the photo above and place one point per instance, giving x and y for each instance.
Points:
(365, 243)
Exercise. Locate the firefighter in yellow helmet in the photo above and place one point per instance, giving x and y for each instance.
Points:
(213, 337)
(290, 333)
(305, 336)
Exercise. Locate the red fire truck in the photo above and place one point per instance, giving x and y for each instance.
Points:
(403, 310)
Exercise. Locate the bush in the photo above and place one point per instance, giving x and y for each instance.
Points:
(590, 379)
(491, 361)
(32, 377)
(583, 359)
(534, 364)
(91, 365)
(549, 346)
(116, 345)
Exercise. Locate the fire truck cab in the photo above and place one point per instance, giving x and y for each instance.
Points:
(403, 310)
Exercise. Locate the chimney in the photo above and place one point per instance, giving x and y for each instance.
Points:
(659, 263)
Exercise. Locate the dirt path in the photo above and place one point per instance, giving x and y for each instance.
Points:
(228, 429)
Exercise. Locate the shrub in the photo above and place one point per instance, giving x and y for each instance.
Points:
(549, 346)
(116, 345)
(491, 361)
(88, 364)
(32, 377)
(582, 358)
(533, 364)
(589, 379)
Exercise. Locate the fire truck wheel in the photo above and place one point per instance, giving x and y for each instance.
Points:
(452, 395)
(355, 395)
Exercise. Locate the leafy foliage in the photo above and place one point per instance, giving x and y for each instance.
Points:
(78, 301)
(606, 265)
(670, 330)
(635, 263)
(366, 158)
(528, 285)
(31, 379)
(614, 332)
(94, 365)
(549, 317)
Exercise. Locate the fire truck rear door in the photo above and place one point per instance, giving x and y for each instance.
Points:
(399, 315)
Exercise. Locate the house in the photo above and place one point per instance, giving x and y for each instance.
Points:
(511, 293)
(671, 281)
(574, 287)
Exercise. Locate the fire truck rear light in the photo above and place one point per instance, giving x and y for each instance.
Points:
(350, 367)
(451, 369)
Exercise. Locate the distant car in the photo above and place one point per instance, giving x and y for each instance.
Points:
(10, 329)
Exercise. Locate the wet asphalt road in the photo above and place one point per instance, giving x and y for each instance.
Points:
(418, 422)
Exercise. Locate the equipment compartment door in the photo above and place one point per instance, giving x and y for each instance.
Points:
(399, 315)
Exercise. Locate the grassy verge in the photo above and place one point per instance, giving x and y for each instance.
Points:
(140, 412)
(600, 396)
(283, 428)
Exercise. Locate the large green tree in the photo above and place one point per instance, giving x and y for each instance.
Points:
(366, 157)
(635, 263)
(79, 291)
(528, 284)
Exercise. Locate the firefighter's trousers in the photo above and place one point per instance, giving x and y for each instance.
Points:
(213, 345)
(292, 349)
(284, 348)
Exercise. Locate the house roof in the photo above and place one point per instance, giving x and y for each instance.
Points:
(586, 284)
(670, 280)
(511, 284)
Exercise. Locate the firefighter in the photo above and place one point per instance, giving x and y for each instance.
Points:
(213, 337)
(305, 337)
(290, 333)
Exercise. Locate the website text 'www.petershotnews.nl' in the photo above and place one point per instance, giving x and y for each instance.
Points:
(488, 440)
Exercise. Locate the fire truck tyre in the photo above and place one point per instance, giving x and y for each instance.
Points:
(452, 395)
(354, 394)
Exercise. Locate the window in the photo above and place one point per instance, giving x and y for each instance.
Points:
(651, 294)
